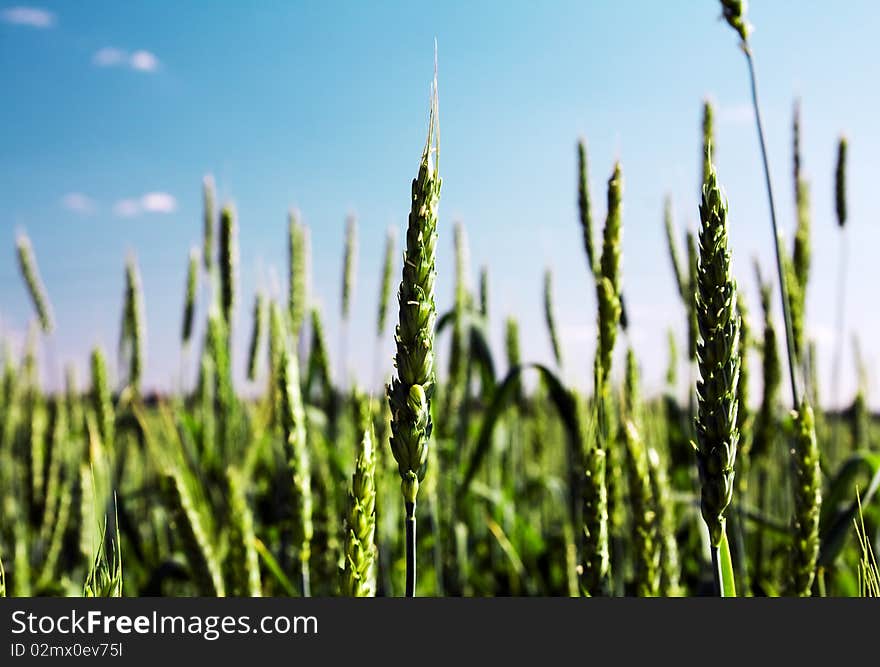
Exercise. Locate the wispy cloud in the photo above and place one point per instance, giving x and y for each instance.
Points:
(79, 203)
(127, 208)
(32, 17)
(141, 61)
(144, 61)
(108, 57)
(152, 202)
(158, 202)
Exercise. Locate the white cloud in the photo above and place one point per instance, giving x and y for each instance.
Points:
(141, 61)
(158, 202)
(108, 57)
(152, 202)
(32, 17)
(79, 203)
(144, 61)
(127, 208)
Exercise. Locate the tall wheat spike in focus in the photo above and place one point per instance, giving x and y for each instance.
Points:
(718, 361)
(411, 391)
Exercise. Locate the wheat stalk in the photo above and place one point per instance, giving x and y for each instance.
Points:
(734, 12)
(597, 565)
(719, 363)
(293, 426)
(411, 391)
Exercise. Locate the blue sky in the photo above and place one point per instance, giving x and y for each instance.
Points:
(114, 111)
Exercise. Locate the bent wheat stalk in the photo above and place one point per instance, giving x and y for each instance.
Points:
(734, 13)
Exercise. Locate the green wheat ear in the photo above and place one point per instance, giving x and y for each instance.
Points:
(840, 182)
(734, 12)
(132, 336)
(807, 502)
(192, 288)
(31, 274)
(411, 391)
(228, 259)
(681, 280)
(257, 335)
(766, 421)
(642, 502)
(358, 574)
(242, 561)
(102, 400)
(708, 137)
(385, 285)
(484, 292)
(718, 360)
(744, 417)
(209, 212)
(514, 358)
(550, 317)
(349, 269)
(293, 424)
(584, 212)
(296, 261)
